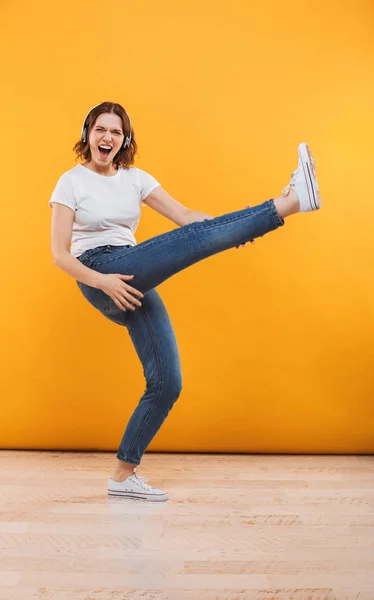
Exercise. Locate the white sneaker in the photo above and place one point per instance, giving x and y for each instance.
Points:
(304, 181)
(134, 487)
(140, 477)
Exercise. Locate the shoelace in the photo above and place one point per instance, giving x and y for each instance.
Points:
(286, 190)
(293, 176)
(142, 484)
(139, 476)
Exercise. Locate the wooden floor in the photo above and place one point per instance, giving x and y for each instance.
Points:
(256, 527)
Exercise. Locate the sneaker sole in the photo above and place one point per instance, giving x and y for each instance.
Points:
(150, 497)
(310, 174)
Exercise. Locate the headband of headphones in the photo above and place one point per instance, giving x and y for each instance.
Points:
(126, 141)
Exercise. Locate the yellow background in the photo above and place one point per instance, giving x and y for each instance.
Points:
(276, 339)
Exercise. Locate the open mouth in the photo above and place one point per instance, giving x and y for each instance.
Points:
(104, 151)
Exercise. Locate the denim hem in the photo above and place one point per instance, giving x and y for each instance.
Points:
(278, 219)
(125, 459)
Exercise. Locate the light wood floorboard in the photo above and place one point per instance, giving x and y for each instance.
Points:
(235, 527)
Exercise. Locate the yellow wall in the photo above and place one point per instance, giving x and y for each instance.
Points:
(220, 95)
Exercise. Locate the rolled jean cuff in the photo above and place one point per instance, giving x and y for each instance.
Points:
(134, 462)
(277, 218)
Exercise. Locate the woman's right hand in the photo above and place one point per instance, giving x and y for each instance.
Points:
(121, 293)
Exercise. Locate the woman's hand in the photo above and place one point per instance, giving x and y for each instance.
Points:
(252, 241)
(114, 286)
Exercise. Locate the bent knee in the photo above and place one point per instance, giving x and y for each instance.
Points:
(171, 386)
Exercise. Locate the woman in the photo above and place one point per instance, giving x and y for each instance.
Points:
(96, 210)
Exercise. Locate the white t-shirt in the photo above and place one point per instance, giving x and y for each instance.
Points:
(106, 208)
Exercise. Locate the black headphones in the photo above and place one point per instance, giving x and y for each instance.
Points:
(126, 141)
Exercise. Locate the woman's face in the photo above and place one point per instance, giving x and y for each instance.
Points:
(106, 138)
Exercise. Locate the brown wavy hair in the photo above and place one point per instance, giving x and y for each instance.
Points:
(125, 156)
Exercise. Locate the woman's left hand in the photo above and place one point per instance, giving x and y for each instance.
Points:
(252, 241)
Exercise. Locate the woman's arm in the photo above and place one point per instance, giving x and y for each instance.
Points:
(61, 231)
(168, 207)
(73, 267)
(193, 215)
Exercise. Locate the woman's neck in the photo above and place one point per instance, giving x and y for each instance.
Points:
(108, 170)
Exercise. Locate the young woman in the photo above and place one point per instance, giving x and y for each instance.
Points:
(96, 211)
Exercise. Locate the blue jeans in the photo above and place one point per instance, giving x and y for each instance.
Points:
(152, 262)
